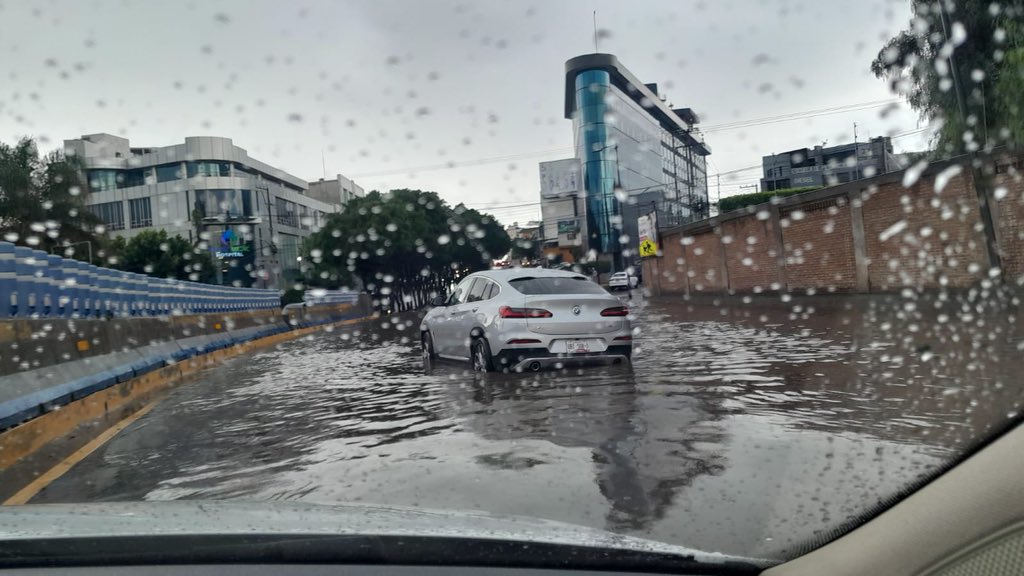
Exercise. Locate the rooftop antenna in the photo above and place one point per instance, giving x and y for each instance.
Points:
(595, 33)
(323, 162)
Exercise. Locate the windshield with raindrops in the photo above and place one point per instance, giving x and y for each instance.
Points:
(725, 278)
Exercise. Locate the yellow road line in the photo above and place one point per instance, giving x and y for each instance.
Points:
(37, 485)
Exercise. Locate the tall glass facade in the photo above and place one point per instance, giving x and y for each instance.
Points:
(632, 163)
(598, 157)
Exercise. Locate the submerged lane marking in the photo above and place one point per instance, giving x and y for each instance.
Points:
(36, 486)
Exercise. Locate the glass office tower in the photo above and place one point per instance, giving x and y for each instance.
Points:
(636, 154)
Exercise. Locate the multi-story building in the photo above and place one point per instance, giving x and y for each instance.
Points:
(820, 166)
(251, 215)
(338, 191)
(635, 153)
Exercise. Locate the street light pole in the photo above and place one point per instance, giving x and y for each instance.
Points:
(72, 245)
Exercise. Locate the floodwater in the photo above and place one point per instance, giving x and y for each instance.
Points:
(755, 428)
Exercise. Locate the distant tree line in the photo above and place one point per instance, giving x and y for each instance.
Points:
(402, 246)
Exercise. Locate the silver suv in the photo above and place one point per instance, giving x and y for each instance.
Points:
(527, 319)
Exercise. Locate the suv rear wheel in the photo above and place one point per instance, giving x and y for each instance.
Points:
(482, 361)
(428, 346)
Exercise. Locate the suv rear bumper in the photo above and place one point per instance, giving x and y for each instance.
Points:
(533, 359)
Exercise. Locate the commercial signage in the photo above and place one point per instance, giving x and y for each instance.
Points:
(568, 226)
(805, 169)
(559, 177)
(231, 246)
(647, 230)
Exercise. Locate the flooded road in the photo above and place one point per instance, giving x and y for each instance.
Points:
(750, 428)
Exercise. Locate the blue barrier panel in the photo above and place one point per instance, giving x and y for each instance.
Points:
(121, 296)
(95, 296)
(152, 289)
(58, 305)
(24, 281)
(42, 283)
(8, 281)
(136, 294)
(72, 290)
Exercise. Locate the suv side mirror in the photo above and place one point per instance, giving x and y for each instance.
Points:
(439, 300)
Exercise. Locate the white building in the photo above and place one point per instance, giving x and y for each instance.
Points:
(338, 191)
(253, 216)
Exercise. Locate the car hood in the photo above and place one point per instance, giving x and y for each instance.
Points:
(187, 518)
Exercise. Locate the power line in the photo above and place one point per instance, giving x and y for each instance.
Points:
(800, 115)
(712, 128)
(461, 163)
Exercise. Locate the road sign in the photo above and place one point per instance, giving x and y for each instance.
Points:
(647, 226)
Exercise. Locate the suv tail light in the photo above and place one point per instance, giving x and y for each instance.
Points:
(615, 311)
(509, 312)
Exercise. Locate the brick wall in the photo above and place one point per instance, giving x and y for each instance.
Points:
(925, 236)
(917, 238)
(1010, 222)
(818, 242)
(702, 253)
(750, 249)
(672, 266)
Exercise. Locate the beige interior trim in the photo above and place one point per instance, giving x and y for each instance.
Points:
(981, 496)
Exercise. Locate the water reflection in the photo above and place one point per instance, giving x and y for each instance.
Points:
(749, 428)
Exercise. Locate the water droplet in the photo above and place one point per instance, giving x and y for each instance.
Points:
(913, 173)
(943, 178)
(893, 230)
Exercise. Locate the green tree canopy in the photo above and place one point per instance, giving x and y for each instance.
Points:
(970, 51)
(402, 240)
(154, 253)
(42, 201)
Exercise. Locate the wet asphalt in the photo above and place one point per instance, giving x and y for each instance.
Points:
(757, 428)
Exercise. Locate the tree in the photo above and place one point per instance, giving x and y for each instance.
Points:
(406, 242)
(961, 63)
(42, 203)
(154, 253)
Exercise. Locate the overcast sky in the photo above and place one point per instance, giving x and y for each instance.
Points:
(388, 92)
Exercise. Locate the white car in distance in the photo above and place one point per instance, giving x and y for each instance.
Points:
(623, 281)
(526, 319)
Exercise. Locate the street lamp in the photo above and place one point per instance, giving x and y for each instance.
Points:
(72, 245)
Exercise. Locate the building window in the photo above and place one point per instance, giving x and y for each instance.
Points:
(139, 212)
(110, 213)
(168, 172)
(244, 169)
(286, 212)
(137, 177)
(102, 180)
(208, 168)
(230, 204)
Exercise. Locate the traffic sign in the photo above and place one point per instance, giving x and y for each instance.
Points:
(648, 248)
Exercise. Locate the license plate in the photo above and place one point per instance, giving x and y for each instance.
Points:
(577, 346)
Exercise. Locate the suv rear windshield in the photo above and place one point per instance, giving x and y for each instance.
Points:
(531, 285)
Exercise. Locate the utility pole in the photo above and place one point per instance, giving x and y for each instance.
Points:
(980, 187)
(854, 132)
